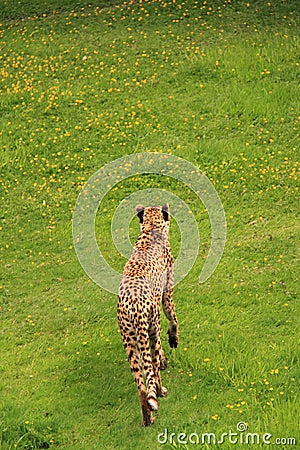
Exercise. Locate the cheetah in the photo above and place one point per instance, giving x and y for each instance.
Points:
(147, 280)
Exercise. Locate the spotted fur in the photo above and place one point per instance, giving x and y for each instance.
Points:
(147, 281)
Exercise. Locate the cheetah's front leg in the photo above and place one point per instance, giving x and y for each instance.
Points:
(170, 313)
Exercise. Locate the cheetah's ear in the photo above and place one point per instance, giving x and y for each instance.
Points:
(166, 212)
(140, 212)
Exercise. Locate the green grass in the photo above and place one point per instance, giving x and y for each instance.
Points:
(216, 83)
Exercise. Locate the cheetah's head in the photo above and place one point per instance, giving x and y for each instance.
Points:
(154, 217)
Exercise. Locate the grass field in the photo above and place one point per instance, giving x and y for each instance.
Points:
(84, 83)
